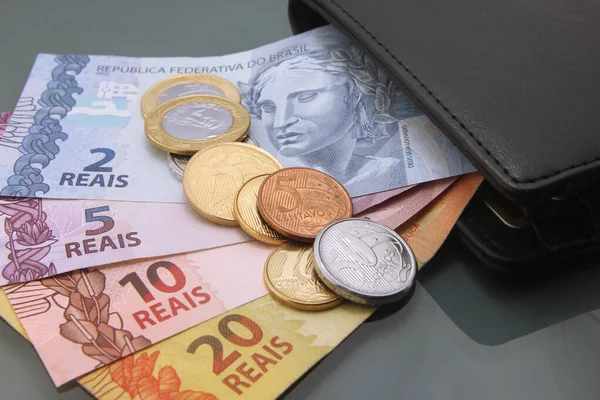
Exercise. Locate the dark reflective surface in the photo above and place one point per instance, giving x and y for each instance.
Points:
(492, 308)
(465, 333)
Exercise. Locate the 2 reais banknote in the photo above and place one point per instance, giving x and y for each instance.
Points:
(315, 101)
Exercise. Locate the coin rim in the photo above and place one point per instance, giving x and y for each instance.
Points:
(178, 172)
(292, 235)
(249, 229)
(150, 98)
(297, 304)
(351, 294)
(161, 139)
(212, 217)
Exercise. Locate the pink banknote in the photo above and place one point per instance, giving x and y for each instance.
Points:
(362, 203)
(399, 209)
(41, 238)
(82, 320)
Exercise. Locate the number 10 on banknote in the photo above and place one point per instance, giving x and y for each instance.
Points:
(93, 316)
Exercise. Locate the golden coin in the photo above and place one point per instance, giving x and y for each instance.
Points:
(299, 202)
(185, 125)
(245, 211)
(177, 162)
(213, 176)
(291, 278)
(186, 85)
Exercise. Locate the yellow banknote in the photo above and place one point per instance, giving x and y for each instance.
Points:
(258, 350)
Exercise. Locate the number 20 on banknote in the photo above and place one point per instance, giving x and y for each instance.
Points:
(239, 371)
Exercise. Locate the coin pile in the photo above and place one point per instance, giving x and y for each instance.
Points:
(324, 255)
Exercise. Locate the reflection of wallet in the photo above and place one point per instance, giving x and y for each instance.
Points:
(516, 86)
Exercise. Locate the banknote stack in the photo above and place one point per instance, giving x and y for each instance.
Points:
(210, 228)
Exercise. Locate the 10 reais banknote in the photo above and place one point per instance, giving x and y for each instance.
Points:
(257, 350)
(99, 315)
(315, 100)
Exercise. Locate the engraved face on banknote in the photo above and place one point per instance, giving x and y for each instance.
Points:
(332, 109)
(315, 101)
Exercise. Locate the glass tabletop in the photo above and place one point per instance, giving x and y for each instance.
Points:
(465, 333)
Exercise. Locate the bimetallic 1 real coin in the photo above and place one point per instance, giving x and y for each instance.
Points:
(189, 124)
(177, 162)
(186, 85)
(299, 202)
(213, 176)
(290, 277)
(364, 261)
(245, 211)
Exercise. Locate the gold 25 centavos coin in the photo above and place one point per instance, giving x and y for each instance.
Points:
(213, 176)
(245, 211)
(187, 85)
(291, 278)
(188, 124)
(299, 202)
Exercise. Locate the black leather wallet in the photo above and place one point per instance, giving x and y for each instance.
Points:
(516, 86)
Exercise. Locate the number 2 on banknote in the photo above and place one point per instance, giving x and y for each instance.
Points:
(98, 165)
(96, 174)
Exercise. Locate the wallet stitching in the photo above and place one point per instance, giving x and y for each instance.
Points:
(449, 112)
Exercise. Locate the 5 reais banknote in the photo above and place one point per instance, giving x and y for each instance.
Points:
(315, 101)
(46, 237)
(88, 317)
(102, 314)
(259, 349)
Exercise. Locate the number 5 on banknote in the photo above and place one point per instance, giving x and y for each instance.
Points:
(90, 316)
(91, 245)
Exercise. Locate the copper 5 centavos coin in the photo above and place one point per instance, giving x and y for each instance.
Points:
(187, 85)
(299, 202)
(177, 162)
(291, 278)
(188, 124)
(364, 261)
(245, 211)
(213, 176)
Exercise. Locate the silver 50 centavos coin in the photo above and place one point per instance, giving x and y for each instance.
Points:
(364, 261)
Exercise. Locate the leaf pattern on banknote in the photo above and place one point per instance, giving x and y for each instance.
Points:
(29, 240)
(88, 320)
(134, 378)
(144, 366)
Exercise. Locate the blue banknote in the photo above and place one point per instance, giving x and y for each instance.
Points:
(315, 100)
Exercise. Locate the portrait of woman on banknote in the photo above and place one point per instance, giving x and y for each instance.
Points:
(333, 109)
